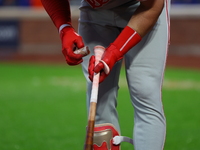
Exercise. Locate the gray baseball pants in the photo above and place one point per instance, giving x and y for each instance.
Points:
(144, 65)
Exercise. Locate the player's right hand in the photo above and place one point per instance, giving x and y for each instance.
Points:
(71, 40)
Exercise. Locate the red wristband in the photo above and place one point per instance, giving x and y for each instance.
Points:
(126, 40)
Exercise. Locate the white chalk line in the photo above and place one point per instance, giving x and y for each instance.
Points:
(173, 84)
(184, 85)
(80, 83)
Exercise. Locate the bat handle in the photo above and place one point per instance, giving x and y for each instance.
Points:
(83, 51)
(98, 51)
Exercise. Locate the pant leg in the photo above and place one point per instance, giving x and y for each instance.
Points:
(145, 65)
(97, 32)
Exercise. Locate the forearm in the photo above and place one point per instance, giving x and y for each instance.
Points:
(146, 16)
(58, 10)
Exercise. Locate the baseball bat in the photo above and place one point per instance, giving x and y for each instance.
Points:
(98, 50)
(83, 51)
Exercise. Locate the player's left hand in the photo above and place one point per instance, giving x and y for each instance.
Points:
(91, 70)
(109, 58)
(122, 44)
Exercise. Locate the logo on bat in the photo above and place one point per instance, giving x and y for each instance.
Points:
(97, 3)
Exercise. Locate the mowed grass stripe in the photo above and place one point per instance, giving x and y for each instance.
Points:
(43, 107)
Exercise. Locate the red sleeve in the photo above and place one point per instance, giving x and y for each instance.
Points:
(58, 10)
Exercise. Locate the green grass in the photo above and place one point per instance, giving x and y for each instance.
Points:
(42, 107)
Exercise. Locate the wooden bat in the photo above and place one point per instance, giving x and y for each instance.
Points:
(98, 50)
(84, 51)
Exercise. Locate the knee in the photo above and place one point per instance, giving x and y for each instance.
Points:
(146, 88)
(146, 95)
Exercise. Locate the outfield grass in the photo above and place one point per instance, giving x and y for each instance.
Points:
(43, 108)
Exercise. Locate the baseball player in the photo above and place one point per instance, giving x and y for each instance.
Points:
(130, 30)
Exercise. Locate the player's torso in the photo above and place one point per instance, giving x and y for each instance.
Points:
(104, 4)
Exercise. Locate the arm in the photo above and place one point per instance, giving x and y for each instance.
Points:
(59, 12)
(138, 26)
(146, 16)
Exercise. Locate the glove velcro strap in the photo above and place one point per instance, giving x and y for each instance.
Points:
(106, 67)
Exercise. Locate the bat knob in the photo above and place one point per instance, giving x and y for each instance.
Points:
(83, 51)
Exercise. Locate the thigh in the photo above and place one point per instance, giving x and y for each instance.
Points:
(145, 64)
(96, 32)
(102, 34)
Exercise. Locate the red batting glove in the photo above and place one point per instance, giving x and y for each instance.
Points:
(124, 42)
(91, 72)
(108, 60)
(71, 40)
